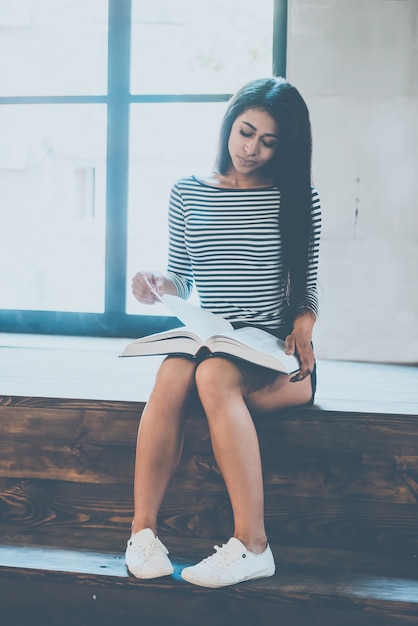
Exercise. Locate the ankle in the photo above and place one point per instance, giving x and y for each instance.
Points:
(137, 526)
(257, 545)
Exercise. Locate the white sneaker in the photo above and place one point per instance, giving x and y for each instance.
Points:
(146, 556)
(230, 565)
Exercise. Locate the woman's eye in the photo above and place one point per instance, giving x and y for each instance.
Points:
(244, 134)
(269, 145)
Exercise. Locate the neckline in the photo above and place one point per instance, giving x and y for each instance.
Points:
(203, 184)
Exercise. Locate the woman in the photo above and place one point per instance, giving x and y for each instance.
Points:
(248, 236)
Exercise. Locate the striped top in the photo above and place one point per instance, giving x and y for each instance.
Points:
(228, 242)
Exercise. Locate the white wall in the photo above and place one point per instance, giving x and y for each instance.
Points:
(356, 64)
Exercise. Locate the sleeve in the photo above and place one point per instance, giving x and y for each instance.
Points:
(179, 267)
(311, 292)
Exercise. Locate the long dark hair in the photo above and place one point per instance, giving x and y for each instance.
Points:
(290, 168)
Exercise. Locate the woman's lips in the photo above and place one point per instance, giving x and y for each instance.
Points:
(245, 162)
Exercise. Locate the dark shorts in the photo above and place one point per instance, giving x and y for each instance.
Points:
(262, 376)
(257, 376)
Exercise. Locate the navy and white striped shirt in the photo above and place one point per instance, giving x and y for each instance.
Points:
(228, 241)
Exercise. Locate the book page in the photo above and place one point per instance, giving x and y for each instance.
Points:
(260, 341)
(204, 323)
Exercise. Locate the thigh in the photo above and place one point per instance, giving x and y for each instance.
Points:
(175, 378)
(267, 390)
(281, 394)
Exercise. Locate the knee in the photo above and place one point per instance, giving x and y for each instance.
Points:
(175, 371)
(215, 376)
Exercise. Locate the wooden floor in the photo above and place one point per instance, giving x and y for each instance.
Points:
(94, 588)
(89, 368)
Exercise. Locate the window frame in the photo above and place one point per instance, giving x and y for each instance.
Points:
(114, 321)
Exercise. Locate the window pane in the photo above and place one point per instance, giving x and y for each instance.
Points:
(168, 141)
(53, 48)
(185, 46)
(52, 212)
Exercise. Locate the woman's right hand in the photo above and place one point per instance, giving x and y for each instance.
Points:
(148, 287)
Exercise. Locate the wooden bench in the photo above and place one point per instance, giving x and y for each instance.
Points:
(341, 514)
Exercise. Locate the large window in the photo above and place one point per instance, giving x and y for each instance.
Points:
(103, 105)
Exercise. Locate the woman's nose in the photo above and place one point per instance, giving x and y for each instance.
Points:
(251, 146)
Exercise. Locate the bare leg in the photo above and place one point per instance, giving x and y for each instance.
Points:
(222, 390)
(160, 439)
(236, 448)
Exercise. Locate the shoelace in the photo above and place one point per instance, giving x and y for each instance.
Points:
(221, 557)
(153, 547)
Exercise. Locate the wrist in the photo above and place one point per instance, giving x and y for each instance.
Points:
(169, 287)
(305, 320)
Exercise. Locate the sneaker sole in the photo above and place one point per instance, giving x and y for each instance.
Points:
(158, 574)
(195, 581)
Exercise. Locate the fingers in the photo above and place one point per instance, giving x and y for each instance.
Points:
(147, 287)
(290, 344)
(159, 285)
(304, 352)
(307, 362)
(301, 375)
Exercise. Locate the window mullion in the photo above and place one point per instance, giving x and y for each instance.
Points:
(280, 37)
(117, 154)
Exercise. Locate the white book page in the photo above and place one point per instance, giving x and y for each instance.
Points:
(202, 322)
(261, 341)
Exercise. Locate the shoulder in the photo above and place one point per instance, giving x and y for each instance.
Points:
(181, 186)
(181, 182)
(188, 189)
(187, 183)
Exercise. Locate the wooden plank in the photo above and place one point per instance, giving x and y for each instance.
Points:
(104, 421)
(105, 427)
(329, 583)
(327, 563)
(68, 440)
(64, 537)
(296, 520)
(71, 403)
(67, 604)
(328, 475)
(309, 452)
(48, 502)
(68, 443)
(342, 430)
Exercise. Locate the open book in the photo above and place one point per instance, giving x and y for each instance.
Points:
(205, 330)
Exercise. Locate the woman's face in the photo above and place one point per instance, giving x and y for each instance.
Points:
(253, 141)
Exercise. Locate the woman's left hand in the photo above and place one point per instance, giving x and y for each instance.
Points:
(299, 342)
